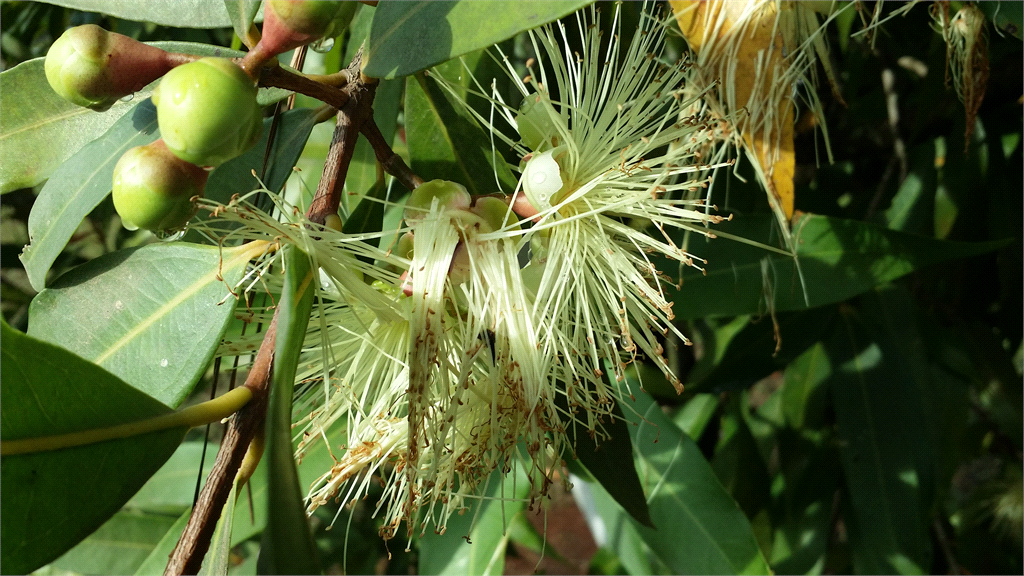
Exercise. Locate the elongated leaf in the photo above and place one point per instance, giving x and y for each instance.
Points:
(242, 13)
(171, 490)
(287, 546)
(407, 37)
(607, 460)
(446, 142)
(611, 527)
(120, 546)
(475, 543)
(152, 315)
(177, 13)
(701, 529)
(156, 560)
(838, 258)
(218, 559)
(882, 445)
(39, 129)
(52, 500)
(78, 186)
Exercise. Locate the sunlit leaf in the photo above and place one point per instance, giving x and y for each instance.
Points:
(119, 546)
(700, 528)
(407, 37)
(179, 13)
(153, 315)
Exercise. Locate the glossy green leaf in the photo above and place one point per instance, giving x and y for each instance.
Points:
(737, 462)
(606, 462)
(153, 315)
(612, 528)
(119, 546)
(446, 142)
(475, 542)
(287, 546)
(172, 489)
(80, 184)
(883, 447)
(407, 37)
(39, 130)
(694, 416)
(156, 561)
(838, 259)
(701, 529)
(177, 13)
(52, 500)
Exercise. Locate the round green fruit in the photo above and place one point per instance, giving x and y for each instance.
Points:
(207, 111)
(153, 188)
(94, 68)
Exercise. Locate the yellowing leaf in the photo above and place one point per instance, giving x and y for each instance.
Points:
(755, 51)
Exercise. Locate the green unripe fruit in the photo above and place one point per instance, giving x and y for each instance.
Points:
(94, 68)
(153, 188)
(538, 123)
(207, 111)
(450, 196)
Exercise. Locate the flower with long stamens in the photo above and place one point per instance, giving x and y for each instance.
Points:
(608, 173)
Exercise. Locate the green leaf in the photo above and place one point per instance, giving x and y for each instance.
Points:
(362, 172)
(152, 315)
(751, 354)
(1008, 17)
(242, 13)
(156, 561)
(475, 542)
(287, 546)
(52, 500)
(701, 529)
(171, 490)
(838, 259)
(883, 446)
(120, 546)
(176, 13)
(606, 462)
(78, 186)
(614, 531)
(695, 415)
(804, 394)
(407, 37)
(39, 129)
(446, 142)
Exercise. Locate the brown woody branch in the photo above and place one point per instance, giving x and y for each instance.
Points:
(391, 162)
(187, 556)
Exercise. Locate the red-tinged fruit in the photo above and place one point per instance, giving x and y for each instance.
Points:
(288, 24)
(153, 188)
(207, 111)
(94, 68)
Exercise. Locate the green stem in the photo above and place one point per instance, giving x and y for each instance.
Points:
(199, 415)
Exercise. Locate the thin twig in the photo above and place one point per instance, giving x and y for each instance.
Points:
(391, 162)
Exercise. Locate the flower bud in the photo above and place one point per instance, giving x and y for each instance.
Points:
(494, 212)
(450, 195)
(153, 188)
(94, 68)
(289, 24)
(538, 123)
(207, 111)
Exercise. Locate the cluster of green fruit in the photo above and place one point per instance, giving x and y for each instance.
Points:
(206, 108)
